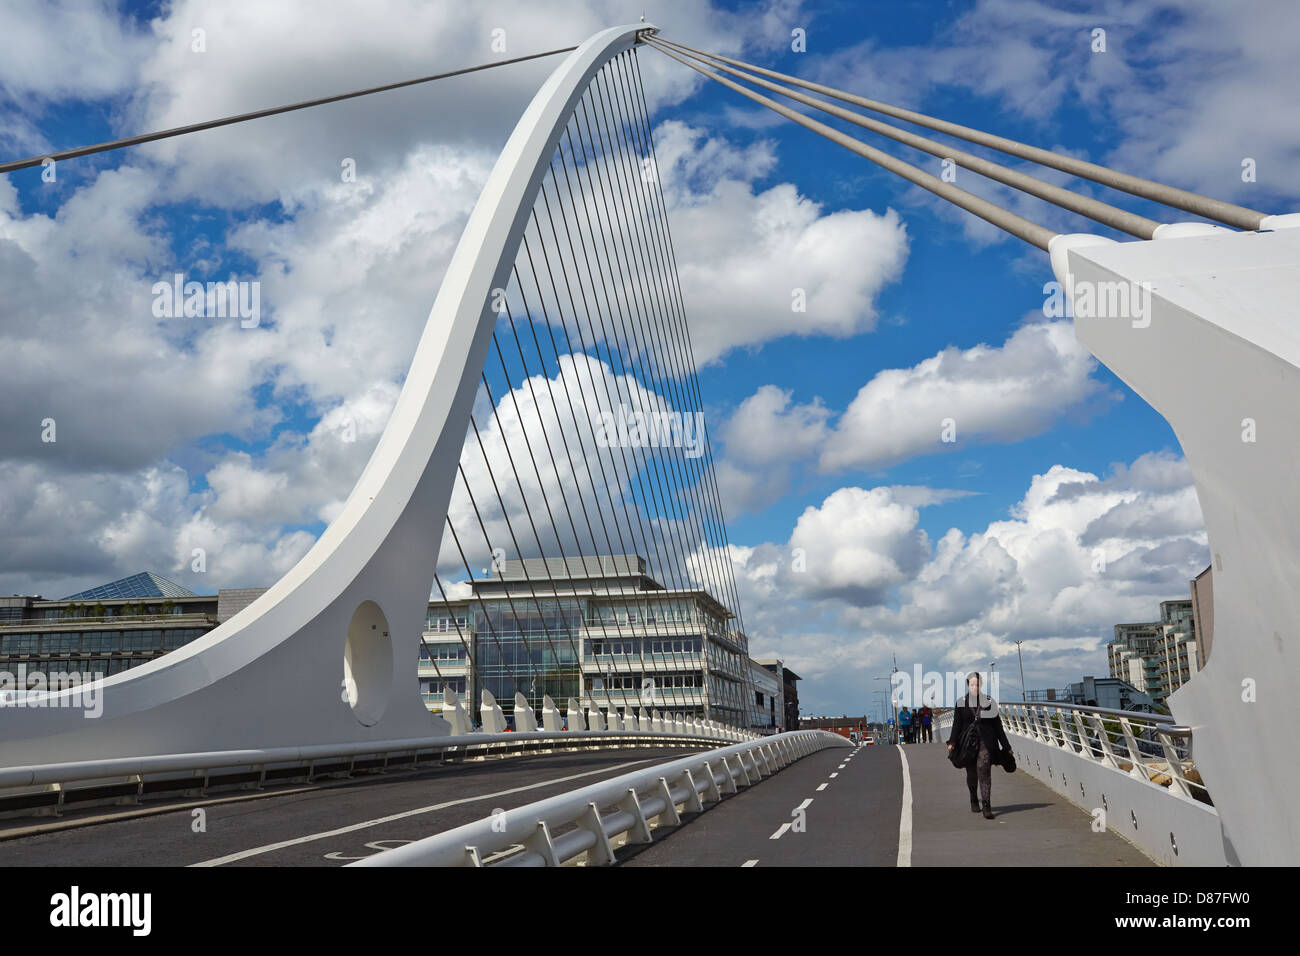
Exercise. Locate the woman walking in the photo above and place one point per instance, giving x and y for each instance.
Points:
(993, 744)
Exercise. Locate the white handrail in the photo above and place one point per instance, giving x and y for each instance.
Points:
(553, 831)
(63, 773)
(1148, 746)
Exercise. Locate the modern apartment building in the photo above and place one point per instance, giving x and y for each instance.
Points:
(1157, 657)
(595, 628)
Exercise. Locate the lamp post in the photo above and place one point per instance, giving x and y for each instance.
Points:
(892, 711)
(1024, 694)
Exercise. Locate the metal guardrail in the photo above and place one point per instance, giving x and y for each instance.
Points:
(590, 821)
(1149, 746)
(46, 788)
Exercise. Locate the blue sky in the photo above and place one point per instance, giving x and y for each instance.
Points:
(181, 434)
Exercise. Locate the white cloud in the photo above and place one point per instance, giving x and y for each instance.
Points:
(990, 394)
(1077, 554)
(757, 265)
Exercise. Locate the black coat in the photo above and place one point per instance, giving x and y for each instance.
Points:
(990, 731)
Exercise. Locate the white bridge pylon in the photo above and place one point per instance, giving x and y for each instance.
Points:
(1217, 353)
(327, 655)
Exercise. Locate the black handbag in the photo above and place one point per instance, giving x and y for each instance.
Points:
(967, 750)
(1008, 761)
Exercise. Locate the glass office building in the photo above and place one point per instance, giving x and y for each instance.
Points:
(99, 632)
(596, 629)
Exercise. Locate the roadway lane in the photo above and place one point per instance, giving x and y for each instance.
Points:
(328, 824)
(813, 813)
(865, 816)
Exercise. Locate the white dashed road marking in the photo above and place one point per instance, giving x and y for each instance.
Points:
(255, 851)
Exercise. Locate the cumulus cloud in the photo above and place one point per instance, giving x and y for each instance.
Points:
(798, 271)
(1077, 554)
(988, 393)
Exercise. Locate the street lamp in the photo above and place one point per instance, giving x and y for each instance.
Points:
(1024, 694)
(893, 712)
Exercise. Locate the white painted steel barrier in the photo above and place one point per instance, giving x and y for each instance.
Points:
(594, 820)
(1132, 772)
(45, 788)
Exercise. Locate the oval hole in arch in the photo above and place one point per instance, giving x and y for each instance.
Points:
(368, 664)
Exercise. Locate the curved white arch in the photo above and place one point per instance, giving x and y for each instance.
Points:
(273, 675)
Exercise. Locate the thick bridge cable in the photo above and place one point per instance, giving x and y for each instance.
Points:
(1094, 209)
(1215, 209)
(16, 164)
(1005, 220)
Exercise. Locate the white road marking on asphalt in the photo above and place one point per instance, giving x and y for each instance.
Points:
(270, 847)
(777, 834)
(804, 805)
(821, 787)
(834, 775)
(905, 819)
(748, 863)
(841, 766)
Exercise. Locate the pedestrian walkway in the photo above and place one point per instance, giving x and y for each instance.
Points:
(1034, 826)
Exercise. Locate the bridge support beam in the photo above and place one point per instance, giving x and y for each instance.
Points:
(1215, 349)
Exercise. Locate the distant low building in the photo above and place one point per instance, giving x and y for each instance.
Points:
(767, 712)
(1109, 692)
(789, 691)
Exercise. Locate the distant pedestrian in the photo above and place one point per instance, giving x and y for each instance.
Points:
(927, 715)
(905, 725)
(991, 741)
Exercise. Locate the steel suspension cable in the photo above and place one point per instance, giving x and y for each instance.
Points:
(1094, 209)
(675, 275)
(1225, 212)
(681, 346)
(1007, 221)
(640, 287)
(660, 230)
(663, 556)
(16, 164)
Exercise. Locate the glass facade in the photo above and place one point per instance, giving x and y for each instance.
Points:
(529, 646)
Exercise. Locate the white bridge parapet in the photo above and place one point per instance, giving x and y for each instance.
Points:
(593, 820)
(1132, 773)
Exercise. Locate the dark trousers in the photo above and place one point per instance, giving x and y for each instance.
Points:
(927, 733)
(981, 773)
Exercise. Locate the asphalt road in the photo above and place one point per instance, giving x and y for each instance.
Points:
(864, 806)
(327, 825)
(836, 807)
(843, 807)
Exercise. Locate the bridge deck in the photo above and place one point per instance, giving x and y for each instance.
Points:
(855, 820)
(851, 800)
